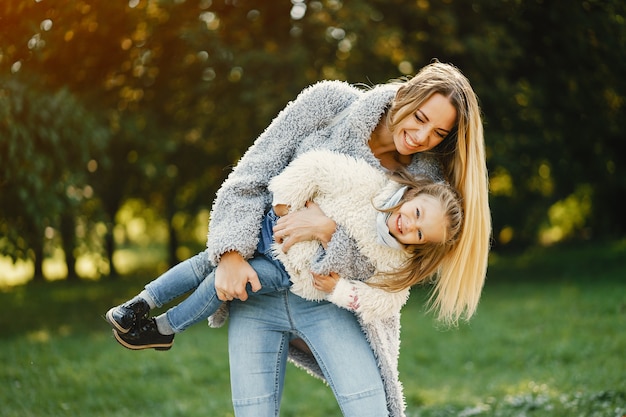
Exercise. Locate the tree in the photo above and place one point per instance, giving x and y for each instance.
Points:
(43, 167)
(184, 87)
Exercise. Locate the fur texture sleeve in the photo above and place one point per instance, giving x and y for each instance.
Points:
(343, 256)
(369, 303)
(242, 199)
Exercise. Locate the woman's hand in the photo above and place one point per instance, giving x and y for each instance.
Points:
(232, 274)
(309, 223)
(325, 283)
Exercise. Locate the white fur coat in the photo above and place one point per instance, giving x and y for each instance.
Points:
(347, 190)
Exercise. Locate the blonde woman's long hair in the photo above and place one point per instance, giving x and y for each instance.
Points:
(462, 273)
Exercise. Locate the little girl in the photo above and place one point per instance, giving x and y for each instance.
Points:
(403, 227)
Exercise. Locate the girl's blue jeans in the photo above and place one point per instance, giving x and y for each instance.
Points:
(196, 273)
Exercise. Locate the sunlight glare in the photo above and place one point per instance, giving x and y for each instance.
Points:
(298, 10)
(17, 273)
(46, 25)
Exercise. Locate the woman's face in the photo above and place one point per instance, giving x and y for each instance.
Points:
(418, 221)
(426, 127)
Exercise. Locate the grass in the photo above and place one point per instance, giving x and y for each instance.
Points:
(549, 340)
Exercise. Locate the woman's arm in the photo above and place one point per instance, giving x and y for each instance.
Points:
(242, 199)
(343, 255)
(302, 225)
(232, 271)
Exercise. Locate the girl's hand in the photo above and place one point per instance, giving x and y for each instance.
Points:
(232, 274)
(325, 283)
(309, 223)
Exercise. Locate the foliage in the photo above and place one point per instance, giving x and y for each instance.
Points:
(547, 342)
(50, 143)
(183, 87)
(552, 100)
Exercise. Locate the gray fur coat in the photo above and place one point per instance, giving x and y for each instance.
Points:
(330, 115)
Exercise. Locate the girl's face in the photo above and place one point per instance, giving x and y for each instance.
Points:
(418, 221)
(427, 127)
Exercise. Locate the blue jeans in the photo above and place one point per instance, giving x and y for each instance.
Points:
(258, 336)
(196, 273)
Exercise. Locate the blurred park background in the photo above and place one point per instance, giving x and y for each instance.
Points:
(119, 121)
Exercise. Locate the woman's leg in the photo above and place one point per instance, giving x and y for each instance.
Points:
(258, 345)
(259, 331)
(339, 345)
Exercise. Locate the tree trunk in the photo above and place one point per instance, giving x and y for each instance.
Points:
(38, 261)
(68, 238)
(109, 242)
(172, 245)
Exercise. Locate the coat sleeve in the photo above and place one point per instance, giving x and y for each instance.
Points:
(369, 303)
(343, 256)
(242, 199)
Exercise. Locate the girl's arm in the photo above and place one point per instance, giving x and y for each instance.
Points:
(300, 182)
(321, 172)
(369, 303)
(349, 291)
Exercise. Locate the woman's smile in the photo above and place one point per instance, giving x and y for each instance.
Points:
(410, 142)
(425, 128)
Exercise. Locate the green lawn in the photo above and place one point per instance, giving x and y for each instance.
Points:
(549, 339)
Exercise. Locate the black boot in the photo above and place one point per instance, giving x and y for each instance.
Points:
(144, 335)
(125, 316)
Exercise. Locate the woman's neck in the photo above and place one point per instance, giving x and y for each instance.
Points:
(384, 148)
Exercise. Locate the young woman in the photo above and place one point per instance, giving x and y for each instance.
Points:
(401, 243)
(430, 124)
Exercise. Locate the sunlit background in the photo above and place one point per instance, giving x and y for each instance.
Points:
(120, 120)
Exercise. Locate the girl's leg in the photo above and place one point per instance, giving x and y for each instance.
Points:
(158, 332)
(339, 345)
(258, 345)
(203, 301)
(179, 280)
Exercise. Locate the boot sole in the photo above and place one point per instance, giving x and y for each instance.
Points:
(109, 317)
(155, 346)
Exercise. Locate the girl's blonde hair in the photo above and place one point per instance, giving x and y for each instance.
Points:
(462, 273)
(426, 258)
